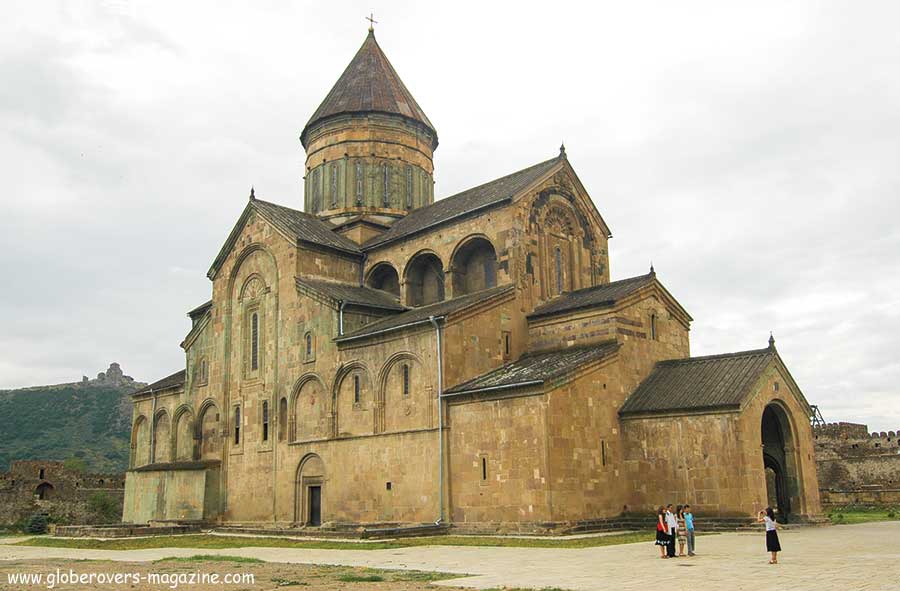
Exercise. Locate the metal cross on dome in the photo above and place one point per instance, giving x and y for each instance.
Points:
(372, 21)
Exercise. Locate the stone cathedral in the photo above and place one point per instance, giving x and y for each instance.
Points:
(383, 357)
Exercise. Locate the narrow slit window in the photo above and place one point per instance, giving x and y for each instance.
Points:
(507, 345)
(386, 185)
(237, 425)
(359, 183)
(603, 452)
(282, 418)
(265, 420)
(254, 341)
(559, 270)
(653, 334)
(334, 185)
(309, 346)
(315, 181)
(406, 381)
(409, 187)
(484, 469)
(356, 389)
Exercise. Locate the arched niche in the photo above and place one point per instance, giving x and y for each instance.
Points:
(209, 432)
(309, 412)
(162, 438)
(140, 442)
(384, 277)
(184, 435)
(473, 266)
(354, 401)
(424, 280)
(405, 394)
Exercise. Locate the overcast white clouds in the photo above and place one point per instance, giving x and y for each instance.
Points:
(751, 151)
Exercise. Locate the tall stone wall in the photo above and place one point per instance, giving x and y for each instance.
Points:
(857, 467)
(36, 486)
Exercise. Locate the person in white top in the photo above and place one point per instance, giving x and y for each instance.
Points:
(672, 525)
(772, 543)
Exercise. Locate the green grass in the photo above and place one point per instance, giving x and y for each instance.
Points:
(209, 558)
(225, 542)
(862, 514)
(355, 578)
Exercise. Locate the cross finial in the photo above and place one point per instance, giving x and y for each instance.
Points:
(252, 194)
(652, 270)
(771, 340)
(372, 22)
(562, 150)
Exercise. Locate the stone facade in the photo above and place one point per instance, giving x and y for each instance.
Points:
(857, 467)
(329, 379)
(37, 486)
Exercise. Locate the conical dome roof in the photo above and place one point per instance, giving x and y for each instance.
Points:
(369, 84)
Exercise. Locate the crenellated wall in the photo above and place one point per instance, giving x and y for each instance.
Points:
(857, 467)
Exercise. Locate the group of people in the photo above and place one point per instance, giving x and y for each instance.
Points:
(674, 525)
(678, 526)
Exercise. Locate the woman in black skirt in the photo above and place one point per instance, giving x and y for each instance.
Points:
(772, 544)
(662, 539)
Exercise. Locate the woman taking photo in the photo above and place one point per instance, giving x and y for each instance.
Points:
(772, 544)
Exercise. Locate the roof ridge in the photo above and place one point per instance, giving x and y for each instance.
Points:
(475, 298)
(443, 202)
(748, 353)
(610, 283)
(496, 180)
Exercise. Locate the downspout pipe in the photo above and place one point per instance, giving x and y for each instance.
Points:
(440, 398)
(341, 305)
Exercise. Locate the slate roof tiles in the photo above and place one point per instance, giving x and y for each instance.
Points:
(535, 368)
(698, 383)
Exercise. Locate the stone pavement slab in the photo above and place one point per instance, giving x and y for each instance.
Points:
(863, 557)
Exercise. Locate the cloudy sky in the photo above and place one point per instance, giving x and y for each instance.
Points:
(750, 151)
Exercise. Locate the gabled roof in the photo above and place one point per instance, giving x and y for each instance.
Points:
(699, 383)
(351, 294)
(421, 315)
(603, 296)
(173, 381)
(606, 294)
(200, 310)
(369, 84)
(293, 224)
(535, 369)
(305, 227)
(469, 201)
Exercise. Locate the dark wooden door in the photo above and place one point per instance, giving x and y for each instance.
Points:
(315, 505)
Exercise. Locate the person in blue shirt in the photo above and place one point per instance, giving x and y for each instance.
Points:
(689, 525)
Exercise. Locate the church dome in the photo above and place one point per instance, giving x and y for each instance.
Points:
(369, 147)
(369, 84)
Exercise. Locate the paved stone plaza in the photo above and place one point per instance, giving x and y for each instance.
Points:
(849, 557)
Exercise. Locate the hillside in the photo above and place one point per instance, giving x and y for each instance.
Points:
(90, 420)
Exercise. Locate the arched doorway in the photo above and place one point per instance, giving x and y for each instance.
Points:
(308, 486)
(779, 462)
(43, 491)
